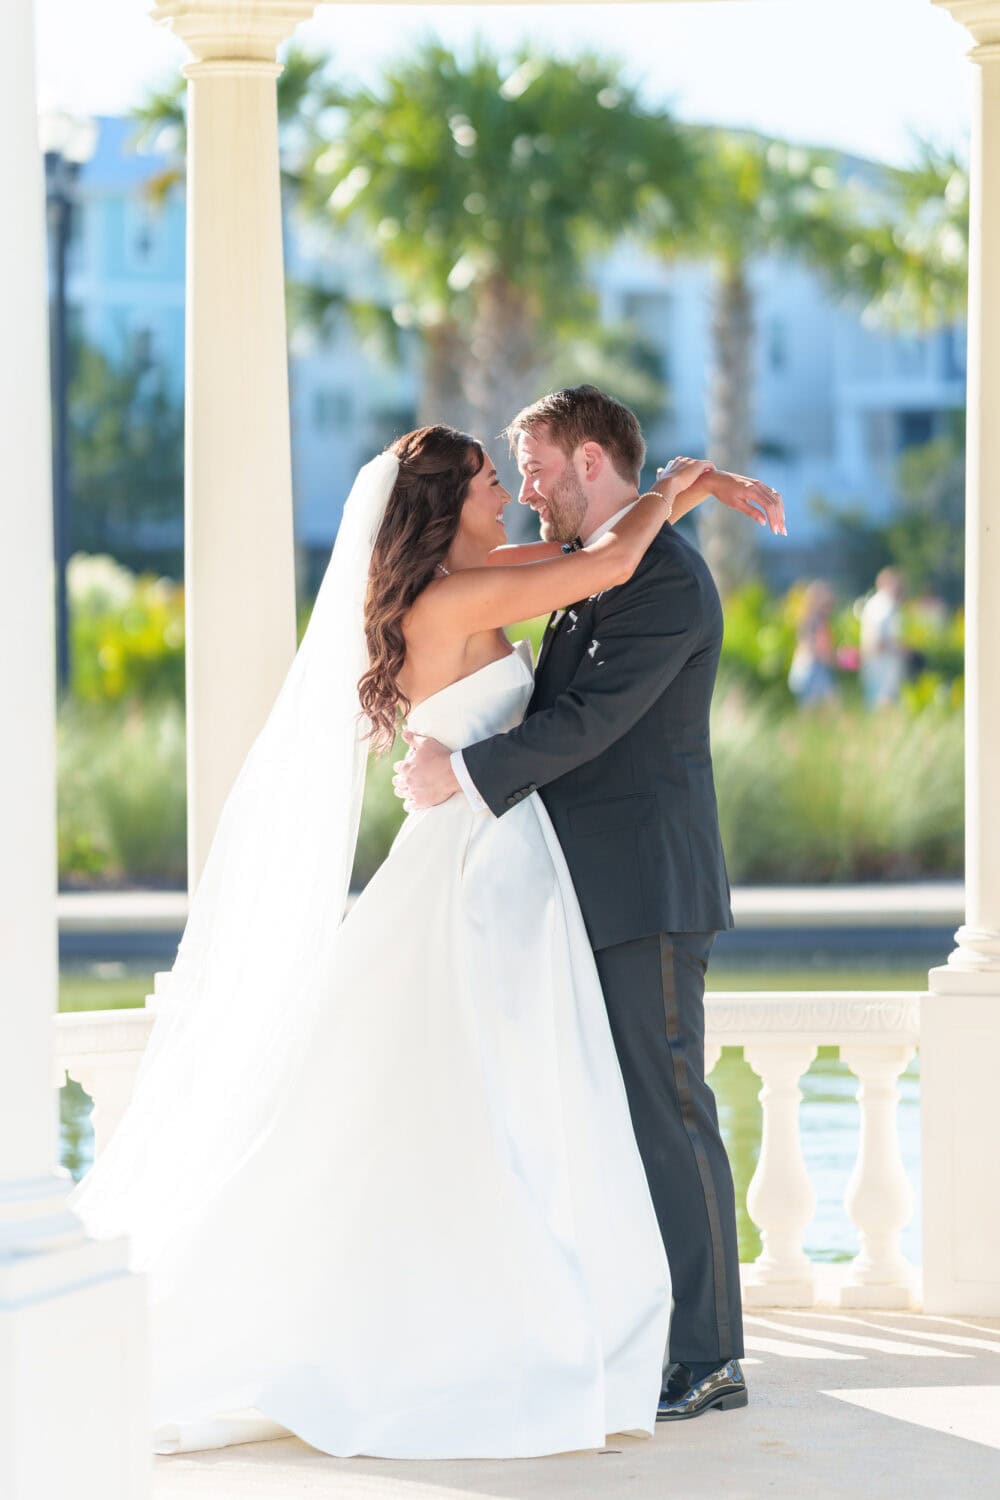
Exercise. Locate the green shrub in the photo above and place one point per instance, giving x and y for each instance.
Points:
(126, 632)
(121, 794)
(838, 793)
(760, 638)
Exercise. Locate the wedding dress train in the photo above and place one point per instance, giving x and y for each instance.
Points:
(445, 1245)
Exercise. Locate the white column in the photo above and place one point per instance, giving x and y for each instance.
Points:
(73, 1417)
(960, 1018)
(238, 551)
(781, 1200)
(879, 1197)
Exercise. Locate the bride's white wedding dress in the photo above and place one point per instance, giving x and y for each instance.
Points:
(445, 1247)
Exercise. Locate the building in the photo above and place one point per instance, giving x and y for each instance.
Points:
(836, 402)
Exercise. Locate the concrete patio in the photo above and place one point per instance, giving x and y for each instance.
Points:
(870, 1406)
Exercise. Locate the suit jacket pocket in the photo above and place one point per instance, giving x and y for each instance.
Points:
(613, 813)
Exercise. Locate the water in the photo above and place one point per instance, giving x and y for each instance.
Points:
(830, 1122)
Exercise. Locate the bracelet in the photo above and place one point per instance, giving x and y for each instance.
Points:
(576, 545)
(668, 503)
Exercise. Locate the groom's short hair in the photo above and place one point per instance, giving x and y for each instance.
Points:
(585, 414)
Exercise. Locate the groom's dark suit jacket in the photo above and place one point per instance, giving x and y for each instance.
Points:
(616, 742)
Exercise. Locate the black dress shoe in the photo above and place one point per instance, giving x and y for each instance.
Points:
(676, 1380)
(722, 1388)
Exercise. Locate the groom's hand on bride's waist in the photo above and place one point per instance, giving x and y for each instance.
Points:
(425, 777)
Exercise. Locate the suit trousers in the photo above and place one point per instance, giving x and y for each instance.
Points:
(654, 989)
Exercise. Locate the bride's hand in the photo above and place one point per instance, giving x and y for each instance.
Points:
(682, 474)
(751, 497)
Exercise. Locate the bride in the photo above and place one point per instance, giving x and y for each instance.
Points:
(380, 1171)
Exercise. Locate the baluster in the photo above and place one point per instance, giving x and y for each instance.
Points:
(879, 1196)
(781, 1200)
(109, 1079)
(713, 1051)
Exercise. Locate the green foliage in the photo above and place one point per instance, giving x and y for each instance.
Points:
(757, 195)
(127, 632)
(121, 794)
(917, 266)
(126, 454)
(760, 635)
(759, 639)
(804, 796)
(468, 168)
(926, 536)
(839, 794)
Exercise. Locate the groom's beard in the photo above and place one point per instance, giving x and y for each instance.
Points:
(567, 507)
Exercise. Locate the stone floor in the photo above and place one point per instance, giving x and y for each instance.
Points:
(868, 1406)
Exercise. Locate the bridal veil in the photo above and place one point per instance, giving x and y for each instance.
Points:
(259, 947)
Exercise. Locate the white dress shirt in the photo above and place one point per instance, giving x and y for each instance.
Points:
(458, 765)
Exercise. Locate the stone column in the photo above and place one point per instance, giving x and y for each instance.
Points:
(239, 561)
(960, 1019)
(73, 1413)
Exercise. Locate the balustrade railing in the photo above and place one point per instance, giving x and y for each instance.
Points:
(876, 1033)
(780, 1033)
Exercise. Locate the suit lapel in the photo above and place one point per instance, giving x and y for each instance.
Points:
(547, 639)
(557, 622)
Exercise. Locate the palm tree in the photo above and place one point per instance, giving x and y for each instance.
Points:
(486, 188)
(918, 275)
(870, 232)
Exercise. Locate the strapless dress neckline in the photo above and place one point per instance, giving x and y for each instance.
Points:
(520, 649)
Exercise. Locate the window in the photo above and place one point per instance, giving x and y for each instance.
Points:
(649, 313)
(915, 428)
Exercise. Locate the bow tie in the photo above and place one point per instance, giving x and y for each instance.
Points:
(576, 545)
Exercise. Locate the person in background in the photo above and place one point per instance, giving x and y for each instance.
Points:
(883, 655)
(811, 676)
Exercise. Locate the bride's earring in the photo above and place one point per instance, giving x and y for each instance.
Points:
(445, 572)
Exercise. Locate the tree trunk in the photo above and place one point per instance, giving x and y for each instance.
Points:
(504, 370)
(442, 398)
(728, 540)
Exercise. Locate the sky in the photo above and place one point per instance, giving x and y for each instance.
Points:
(862, 75)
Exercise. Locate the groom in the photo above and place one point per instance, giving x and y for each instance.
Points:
(616, 743)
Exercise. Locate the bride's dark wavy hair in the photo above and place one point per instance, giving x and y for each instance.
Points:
(436, 466)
